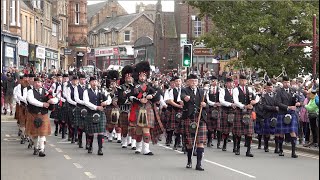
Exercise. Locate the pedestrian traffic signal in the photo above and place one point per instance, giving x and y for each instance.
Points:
(187, 55)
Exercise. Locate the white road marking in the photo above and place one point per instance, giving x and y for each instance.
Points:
(67, 157)
(91, 176)
(77, 165)
(7, 135)
(58, 149)
(164, 146)
(64, 142)
(52, 145)
(231, 169)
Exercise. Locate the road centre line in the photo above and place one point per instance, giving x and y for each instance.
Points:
(90, 175)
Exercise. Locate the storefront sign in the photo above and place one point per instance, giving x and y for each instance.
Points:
(40, 52)
(48, 54)
(202, 52)
(9, 52)
(32, 52)
(23, 48)
(55, 55)
(67, 51)
(103, 52)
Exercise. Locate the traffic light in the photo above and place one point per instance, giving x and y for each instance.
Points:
(187, 55)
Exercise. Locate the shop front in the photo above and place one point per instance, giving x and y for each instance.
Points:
(51, 59)
(40, 58)
(23, 52)
(8, 50)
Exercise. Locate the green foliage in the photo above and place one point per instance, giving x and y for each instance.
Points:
(262, 31)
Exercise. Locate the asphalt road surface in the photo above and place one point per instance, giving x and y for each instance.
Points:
(64, 160)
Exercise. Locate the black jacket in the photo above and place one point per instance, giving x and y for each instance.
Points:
(192, 107)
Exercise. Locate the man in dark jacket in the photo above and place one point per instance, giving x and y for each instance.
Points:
(8, 86)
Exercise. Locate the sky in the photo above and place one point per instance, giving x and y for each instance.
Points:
(130, 6)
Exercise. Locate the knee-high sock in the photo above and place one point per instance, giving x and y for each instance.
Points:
(42, 139)
(199, 155)
(281, 143)
(189, 154)
(99, 138)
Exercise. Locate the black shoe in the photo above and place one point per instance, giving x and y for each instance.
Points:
(55, 133)
(175, 147)
(224, 149)
(80, 145)
(35, 151)
(42, 154)
(189, 165)
(168, 144)
(90, 150)
(129, 144)
(22, 141)
(266, 150)
(11, 113)
(276, 151)
(119, 141)
(137, 152)
(149, 154)
(234, 150)
(124, 147)
(76, 140)
(237, 152)
(294, 156)
(29, 146)
(281, 153)
(87, 146)
(218, 146)
(134, 148)
(72, 141)
(19, 133)
(199, 168)
(249, 154)
(100, 152)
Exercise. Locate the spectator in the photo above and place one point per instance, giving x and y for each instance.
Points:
(313, 111)
(8, 86)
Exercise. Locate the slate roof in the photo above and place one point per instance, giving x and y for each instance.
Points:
(94, 8)
(25, 4)
(117, 22)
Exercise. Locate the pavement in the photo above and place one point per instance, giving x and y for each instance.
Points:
(65, 160)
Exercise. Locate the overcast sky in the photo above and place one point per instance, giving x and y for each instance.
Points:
(130, 5)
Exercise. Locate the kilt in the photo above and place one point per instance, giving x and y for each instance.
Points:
(150, 116)
(71, 120)
(225, 127)
(54, 113)
(282, 128)
(22, 115)
(29, 122)
(155, 132)
(267, 129)
(78, 120)
(239, 128)
(258, 127)
(124, 121)
(99, 127)
(173, 122)
(163, 117)
(16, 113)
(63, 113)
(44, 129)
(213, 124)
(202, 131)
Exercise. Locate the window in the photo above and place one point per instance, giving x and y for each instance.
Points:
(4, 12)
(197, 27)
(38, 4)
(30, 31)
(26, 26)
(48, 11)
(54, 29)
(41, 33)
(13, 13)
(77, 14)
(60, 30)
(18, 14)
(127, 36)
(36, 30)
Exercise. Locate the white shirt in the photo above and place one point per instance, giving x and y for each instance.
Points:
(68, 95)
(166, 94)
(25, 94)
(76, 96)
(35, 102)
(15, 94)
(235, 94)
(171, 96)
(18, 93)
(89, 104)
(162, 102)
(221, 98)
(211, 103)
(58, 93)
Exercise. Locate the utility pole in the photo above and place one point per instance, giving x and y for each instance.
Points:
(315, 49)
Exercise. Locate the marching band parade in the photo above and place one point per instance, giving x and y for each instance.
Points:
(136, 108)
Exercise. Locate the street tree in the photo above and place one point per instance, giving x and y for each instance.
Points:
(262, 31)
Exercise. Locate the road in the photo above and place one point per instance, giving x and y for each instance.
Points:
(64, 160)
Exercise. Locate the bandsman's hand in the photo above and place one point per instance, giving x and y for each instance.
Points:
(187, 98)
(143, 100)
(99, 108)
(46, 105)
(149, 96)
(298, 104)
(249, 106)
(203, 104)
(253, 102)
(234, 106)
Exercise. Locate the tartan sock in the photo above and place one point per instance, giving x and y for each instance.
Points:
(189, 154)
(199, 155)
(146, 137)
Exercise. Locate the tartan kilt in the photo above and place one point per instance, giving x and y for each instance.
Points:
(71, 115)
(257, 126)
(174, 122)
(167, 116)
(29, 122)
(78, 120)
(22, 115)
(54, 113)
(240, 128)
(44, 129)
(16, 113)
(99, 127)
(150, 116)
(267, 129)
(282, 128)
(155, 132)
(163, 117)
(225, 126)
(124, 121)
(213, 124)
(63, 113)
(202, 131)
